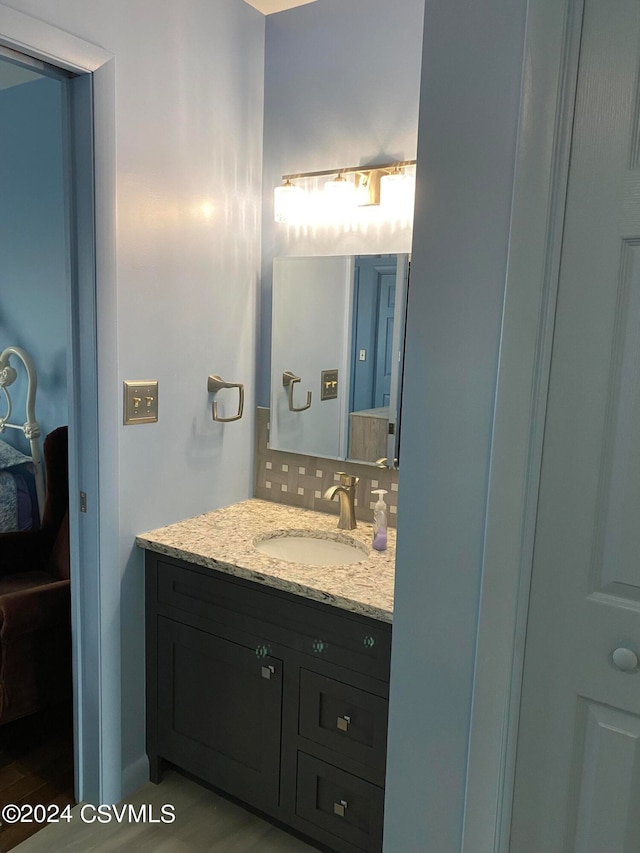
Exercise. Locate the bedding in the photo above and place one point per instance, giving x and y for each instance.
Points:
(18, 505)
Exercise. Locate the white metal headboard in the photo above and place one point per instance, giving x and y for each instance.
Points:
(31, 427)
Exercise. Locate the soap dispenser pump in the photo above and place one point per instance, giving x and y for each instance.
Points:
(380, 521)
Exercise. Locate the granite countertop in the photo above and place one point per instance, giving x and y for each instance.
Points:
(224, 540)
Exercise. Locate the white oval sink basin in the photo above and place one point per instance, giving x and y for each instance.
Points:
(312, 548)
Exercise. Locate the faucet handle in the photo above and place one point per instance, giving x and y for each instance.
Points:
(348, 480)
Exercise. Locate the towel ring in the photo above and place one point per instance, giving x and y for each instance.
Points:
(216, 383)
(289, 379)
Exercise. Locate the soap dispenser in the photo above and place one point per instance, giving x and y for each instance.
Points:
(380, 521)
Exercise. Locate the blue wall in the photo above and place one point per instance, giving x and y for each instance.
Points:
(342, 83)
(33, 261)
(469, 107)
(180, 300)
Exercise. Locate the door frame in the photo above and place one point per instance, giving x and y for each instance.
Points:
(92, 413)
(403, 264)
(550, 69)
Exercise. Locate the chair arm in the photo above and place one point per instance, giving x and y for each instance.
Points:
(35, 609)
(23, 551)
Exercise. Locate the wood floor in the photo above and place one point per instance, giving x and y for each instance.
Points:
(203, 822)
(36, 767)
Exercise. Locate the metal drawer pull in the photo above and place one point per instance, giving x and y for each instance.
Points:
(343, 723)
(340, 808)
(268, 671)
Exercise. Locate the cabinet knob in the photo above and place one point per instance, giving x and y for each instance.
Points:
(342, 723)
(268, 671)
(625, 659)
(262, 651)
(340, 808)
(319, 646)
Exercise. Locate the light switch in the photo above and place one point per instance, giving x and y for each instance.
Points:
(328, 384)
(140, 401)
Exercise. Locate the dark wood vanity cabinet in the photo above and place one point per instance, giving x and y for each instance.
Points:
(275, 699)
(216, 715)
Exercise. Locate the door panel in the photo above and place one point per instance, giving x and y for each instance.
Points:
(619, 495)
(609, 753)
(576, 766)
(220, 712)
(385, 359)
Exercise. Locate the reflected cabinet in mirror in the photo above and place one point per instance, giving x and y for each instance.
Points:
(336, 355)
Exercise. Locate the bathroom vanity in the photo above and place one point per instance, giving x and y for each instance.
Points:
(268, 678)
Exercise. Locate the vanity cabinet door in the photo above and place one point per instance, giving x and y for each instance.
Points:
(219, 712)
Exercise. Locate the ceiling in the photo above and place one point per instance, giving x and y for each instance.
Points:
(269, 6)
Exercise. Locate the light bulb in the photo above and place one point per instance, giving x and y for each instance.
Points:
(287, 200)
(340, 193)
(397, 192)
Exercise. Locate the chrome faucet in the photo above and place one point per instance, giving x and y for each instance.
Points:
(346, 492)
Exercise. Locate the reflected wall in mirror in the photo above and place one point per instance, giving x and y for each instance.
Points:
(338, 326)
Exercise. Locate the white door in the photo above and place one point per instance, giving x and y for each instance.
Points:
(577, 782)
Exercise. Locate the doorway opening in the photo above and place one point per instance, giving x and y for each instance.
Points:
(38, 247)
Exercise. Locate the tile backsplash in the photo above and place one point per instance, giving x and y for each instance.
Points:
(300, 480)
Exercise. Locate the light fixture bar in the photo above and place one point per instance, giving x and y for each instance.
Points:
(384, 167)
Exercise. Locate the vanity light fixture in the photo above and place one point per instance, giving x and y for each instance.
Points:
(389, 186)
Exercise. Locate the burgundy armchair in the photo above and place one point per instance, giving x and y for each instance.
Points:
(35, 608)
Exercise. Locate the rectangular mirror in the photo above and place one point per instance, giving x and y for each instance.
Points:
(338, 325)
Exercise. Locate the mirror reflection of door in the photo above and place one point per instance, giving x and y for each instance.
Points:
(374, 299)
(373, 313)
(379, 310)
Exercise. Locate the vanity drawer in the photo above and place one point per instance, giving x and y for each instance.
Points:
(342, 805)
(349, 721)
(354, 642)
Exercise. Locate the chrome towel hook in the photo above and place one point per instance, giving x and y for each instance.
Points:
(289, 379)
(216, 383)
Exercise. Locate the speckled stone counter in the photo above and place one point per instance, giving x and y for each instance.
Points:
(224, 540)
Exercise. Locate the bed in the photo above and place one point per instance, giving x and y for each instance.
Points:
(21, 475)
